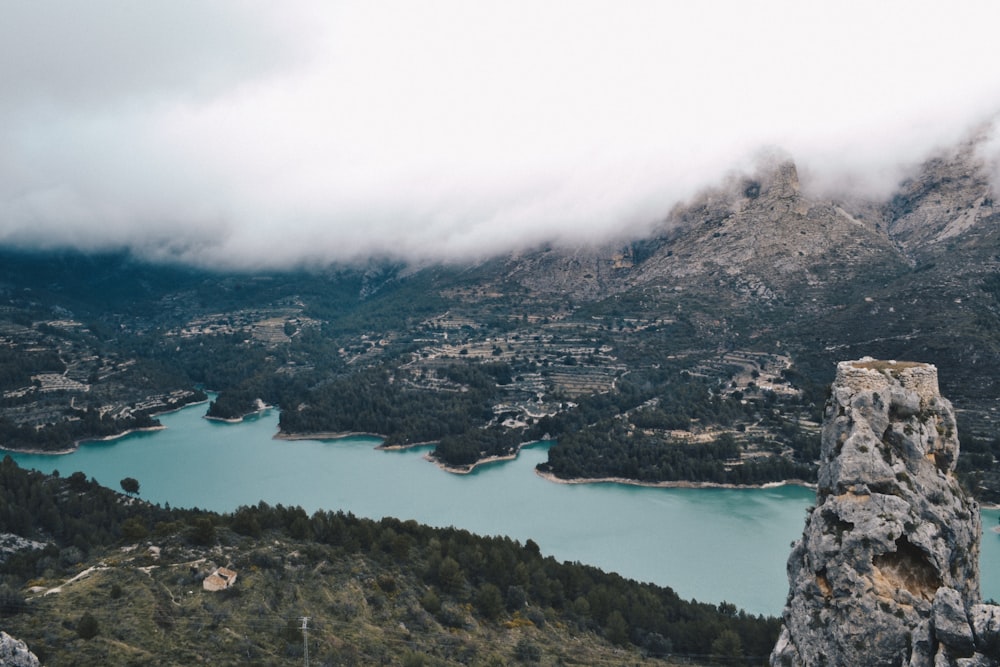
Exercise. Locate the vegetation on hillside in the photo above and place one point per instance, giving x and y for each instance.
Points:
(376, 591)
(640, 382)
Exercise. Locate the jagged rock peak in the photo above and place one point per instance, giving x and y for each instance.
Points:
(887, 570)
(779, 174)
(888, 425)
(15, 653)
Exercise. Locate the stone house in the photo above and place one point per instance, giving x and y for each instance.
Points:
(219, 580)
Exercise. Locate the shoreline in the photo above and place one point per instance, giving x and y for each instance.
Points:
(399, 448)
(84, 441)
(330, 435)
(226, 420)
(237, 420)
(117, 436)
(465, 470)
(455, 470)
(106, 438)
(672, 484)
(178, 408)
(43, 452)
(343, 435)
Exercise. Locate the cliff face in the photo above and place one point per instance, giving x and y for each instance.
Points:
(886, 572)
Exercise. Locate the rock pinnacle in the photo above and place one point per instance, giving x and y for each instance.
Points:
(887, 570)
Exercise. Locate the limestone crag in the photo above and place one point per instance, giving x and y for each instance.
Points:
(887, 570)
(15, 653)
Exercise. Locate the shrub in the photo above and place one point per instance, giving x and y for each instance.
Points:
(87, 627)
(526, 651)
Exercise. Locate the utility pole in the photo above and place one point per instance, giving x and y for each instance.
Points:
(305, 639)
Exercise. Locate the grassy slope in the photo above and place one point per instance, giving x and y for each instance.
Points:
(153, 611)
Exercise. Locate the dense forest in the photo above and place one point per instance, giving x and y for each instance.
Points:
(452, 573)
(609, 450)
(373, 401)
(88, 424)
(621, 433)
(629, 434)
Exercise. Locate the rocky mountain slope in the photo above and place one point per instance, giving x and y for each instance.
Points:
(887, 570)
(761, 262)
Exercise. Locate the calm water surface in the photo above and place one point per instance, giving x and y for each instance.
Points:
(708, 544)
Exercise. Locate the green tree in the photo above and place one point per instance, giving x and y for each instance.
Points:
(134, 528)
(204, 531)
(727, 645)
(245, 522)
(450, 575)
(130, 485)
(516, 597)
(489, 601)
(431, 601)
(299, 529)
(617, 629)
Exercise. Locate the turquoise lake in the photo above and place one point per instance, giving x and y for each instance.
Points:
(708, 544)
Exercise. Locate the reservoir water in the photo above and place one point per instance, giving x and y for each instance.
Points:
(708, 544)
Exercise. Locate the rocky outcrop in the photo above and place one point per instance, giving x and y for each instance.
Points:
(762, 234)
(15, 653)
(887, 570)
(949, 197)
(11, 544)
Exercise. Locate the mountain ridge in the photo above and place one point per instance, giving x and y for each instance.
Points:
(756, 273)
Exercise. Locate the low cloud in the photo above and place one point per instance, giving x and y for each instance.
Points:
(236, 134)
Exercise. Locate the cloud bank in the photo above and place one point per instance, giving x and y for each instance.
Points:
(242, 134)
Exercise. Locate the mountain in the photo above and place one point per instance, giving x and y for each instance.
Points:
(722, 325)
(759, 263)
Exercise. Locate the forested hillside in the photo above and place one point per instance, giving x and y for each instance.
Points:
(375, 591)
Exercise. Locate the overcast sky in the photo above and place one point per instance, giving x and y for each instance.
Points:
(261, 134)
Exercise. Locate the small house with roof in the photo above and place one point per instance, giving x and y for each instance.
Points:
(219, 580)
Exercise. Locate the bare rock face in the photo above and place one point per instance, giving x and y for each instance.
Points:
(887, 570)
(15, 653)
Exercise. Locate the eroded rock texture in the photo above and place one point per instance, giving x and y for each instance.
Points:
(14, 652)
(887, 570)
